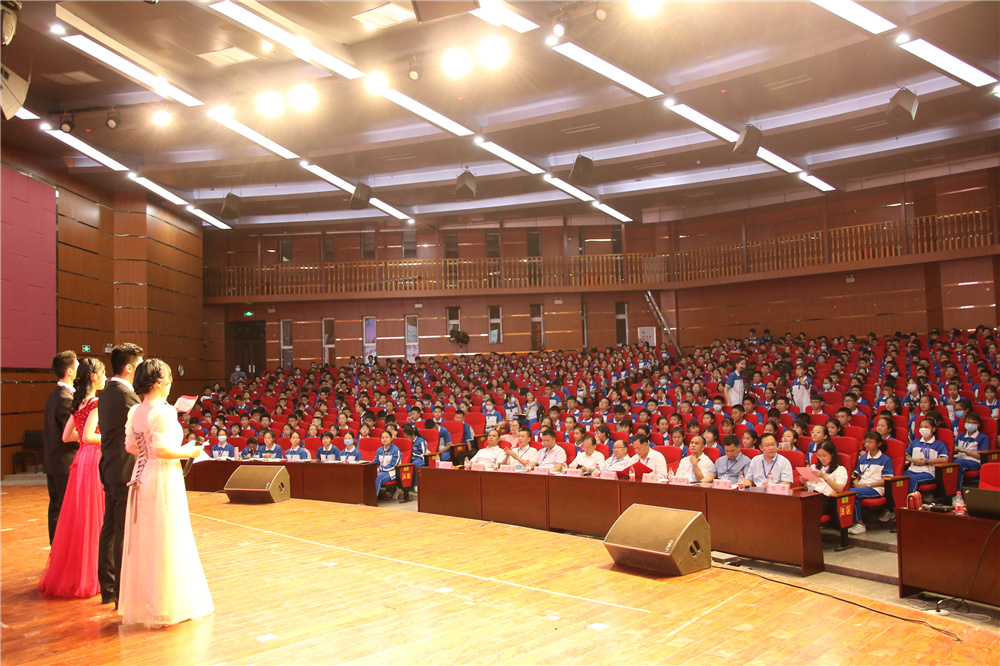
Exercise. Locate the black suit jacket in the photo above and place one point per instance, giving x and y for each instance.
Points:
(58, 454)
(112, 412)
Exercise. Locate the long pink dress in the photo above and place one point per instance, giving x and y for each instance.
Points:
(71, 571)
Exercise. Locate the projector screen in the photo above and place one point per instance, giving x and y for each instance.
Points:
(28, 271)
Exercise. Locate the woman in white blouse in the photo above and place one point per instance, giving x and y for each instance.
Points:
(833, 478)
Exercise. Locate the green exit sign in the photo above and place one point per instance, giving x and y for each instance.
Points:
(86, 349)
(248, 313)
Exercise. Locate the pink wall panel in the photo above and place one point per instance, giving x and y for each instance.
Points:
(28, 272)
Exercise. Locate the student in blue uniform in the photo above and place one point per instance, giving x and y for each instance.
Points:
(419, 450)
(351, 453)
(327, 452)
(296, 451)
(386, 457)
(867, 479)
(923, 454)
(223, 449)
(251, 450)
(270, 450)
(969, 446)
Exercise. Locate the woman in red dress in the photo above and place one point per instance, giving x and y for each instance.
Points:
(72, 567)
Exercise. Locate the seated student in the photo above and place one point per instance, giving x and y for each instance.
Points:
(730, 466)
(769, 467)
(782, 405)
(444, 438)
(589, 459)
(923, 454)
(789, 440)
(549, 456)
(817, 435)
(522, 453)
(816, 403)
(771, 428)
(295, 450)
(696, 465)
(712, 438)
(251, 450)
(271, 450)
(990, 400)
(739, 417)
(750, 439)
(750, 411)
(867, 479)
(654, 460)
(969, 446)
(468, 437)
(493, 417)
(693, 427)
(351, 453)
(386, 458)
(419, 446)
(327, 452)
(833, 478)
(619, 460)
(223, 449)
(491, 454)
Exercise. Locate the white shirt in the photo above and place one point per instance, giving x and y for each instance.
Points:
(779, 469)
(119, 379)
(67, 386)
(489, 455)
(839, 475)
(656, 462)
(593, 461)
(686, 470)
(528, 454)
(549, 458)
(613, 464)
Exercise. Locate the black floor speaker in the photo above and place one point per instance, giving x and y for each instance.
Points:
(668, 541)
(258, 484)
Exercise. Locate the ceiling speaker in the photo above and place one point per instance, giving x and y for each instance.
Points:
(749, 142)
(902, 106)
(582, 168)
(465, 188)
(361, 196)
(230, 208)
(13, 90)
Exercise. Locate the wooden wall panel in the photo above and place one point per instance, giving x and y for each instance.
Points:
(968, 293)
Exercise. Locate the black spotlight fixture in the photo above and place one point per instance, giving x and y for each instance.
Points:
(563, 25)
(66, 123)
(416, 69)
(114, 119)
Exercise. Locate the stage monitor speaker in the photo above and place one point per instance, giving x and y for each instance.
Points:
(902, 106)
(465, 188)
(230, 208)
(668, 541)
(258, 484)
(362, 194)
(749, 142)
(582, 168)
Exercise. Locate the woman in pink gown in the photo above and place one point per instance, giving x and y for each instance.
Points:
(162, 581)
(71, 571)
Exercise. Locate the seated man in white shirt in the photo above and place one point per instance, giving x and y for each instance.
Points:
(769, 465)
(697, 465)
(654, 460)
(523, 453)
(619, 460)
(491, 453)
(550, 456)
(589, 459)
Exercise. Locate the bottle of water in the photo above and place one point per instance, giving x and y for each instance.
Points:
(960, 509)
(742, 482)
(631, 473)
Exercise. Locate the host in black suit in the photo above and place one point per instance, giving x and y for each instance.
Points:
(116, 464)
(59, 454)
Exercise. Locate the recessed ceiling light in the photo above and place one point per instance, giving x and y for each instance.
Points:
(376, 83)
(270, 104)
(162, 117)
(303, 97)
(493, 52)
(57, 29)
(456, 62)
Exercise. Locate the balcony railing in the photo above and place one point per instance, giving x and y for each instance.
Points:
(834, 247)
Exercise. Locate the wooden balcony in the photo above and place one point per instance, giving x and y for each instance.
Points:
(915, 240)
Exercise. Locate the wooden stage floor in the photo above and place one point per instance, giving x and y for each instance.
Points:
(306, 582)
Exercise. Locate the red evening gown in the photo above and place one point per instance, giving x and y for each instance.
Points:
(72, 568)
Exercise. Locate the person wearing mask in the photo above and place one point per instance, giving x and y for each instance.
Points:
(769, 467)
(223, 449)
(730, 466)
(867, 479)
(696, 466)
(351, 453)
(923, 454)
(969, 447)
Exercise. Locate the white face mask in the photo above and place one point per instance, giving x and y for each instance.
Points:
(222, 439)
(348, 443)
(925, 433)
(971, 427)
(912, 388)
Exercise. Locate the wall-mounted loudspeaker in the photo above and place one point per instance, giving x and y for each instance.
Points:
(749, 142)
(459, 337)
(668, 541)
(582, 168)
(465, 187)
(362, 194)
(230, 207)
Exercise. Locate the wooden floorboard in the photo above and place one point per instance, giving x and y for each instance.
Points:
(305, 582)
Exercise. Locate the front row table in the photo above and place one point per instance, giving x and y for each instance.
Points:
(750, 523)
(348, 483)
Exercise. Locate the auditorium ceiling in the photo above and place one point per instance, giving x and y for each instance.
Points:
(289, 105)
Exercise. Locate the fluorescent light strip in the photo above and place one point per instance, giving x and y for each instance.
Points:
(621, 217)
(704, 122)
(155, 83)
(496, 13)
(163, 192)
(426, 113)
(87, 150)
(567, 188)
(856, 14)
(208, 218)
(605, 68)
(816, 182)
(947, 62)
(777, 160)
(508, 156)
(256, 137)
(299, 45)
(24, 114)
(383, 206)
(336, 181)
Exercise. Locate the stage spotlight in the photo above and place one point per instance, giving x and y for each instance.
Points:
(303, 97)
(456, 62)
(270, 104)
(376, 83)
(8, 17)
(416, 69)
(493, 52)
(66, 123)
(645, 8)
(162, 117)
(114, 119)
(563, 25)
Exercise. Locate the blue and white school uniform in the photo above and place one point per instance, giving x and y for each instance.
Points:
(871, 469)
(734, 384)
(223, 451)
(419, 451)
(994, 406)
(923, 473)
(297, 454)
(324, 454)
(351, 454)
(969, 441)
(386, 459)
